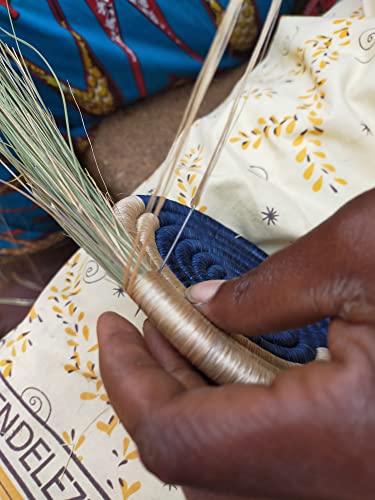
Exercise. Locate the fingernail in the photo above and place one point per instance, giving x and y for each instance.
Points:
(203, 292)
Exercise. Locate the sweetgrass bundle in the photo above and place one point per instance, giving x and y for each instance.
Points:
(52, 176)
(50, 171)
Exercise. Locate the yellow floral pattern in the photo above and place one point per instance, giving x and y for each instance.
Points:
(298, 137)
(304, 127)
(188, 175)
(14, 347)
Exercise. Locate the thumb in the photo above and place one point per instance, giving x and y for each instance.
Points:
(297, 286)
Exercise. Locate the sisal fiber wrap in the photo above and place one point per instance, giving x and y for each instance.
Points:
(223, 357)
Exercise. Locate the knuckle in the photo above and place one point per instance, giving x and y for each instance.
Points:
(343, 295)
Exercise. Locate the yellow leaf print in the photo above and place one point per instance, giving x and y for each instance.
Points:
(341, 181)
(80, 442)
(76, 259)
(192, 179)
(298, 141)
(7, 364)
(320, 154)
(91, 371)
(329, 167)
(181, 186)
(315, 121)
(278, 130)
(316, 131)
(291, 126)
(108, 428)
(257, 143)
(301, 155)
(32, 314)
(69, 440)
(128, 456)
(132, 456)
(127, 491)
(318, 184)
(70, 331)
(181, 200)
(66, 437)
(71, 368)
(309, 171)
(86, 332)
(88, 396)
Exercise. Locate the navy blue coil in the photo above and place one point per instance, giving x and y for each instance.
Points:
(207, 250)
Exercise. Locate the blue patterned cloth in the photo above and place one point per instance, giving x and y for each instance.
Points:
(111, 52)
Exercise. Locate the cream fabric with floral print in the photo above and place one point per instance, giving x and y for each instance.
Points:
(303, 140)
(302, 145)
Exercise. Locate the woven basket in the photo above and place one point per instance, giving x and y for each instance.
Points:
(208, 250)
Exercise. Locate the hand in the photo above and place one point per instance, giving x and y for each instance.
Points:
(308, 436)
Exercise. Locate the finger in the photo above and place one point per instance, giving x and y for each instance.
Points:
(289, 433)
(135, 382)
(188, 437)
(172, 362)
(308, 281)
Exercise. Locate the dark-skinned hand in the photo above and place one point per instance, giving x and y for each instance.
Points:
(311, 434)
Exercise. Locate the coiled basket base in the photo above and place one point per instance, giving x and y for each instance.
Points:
(208, 250)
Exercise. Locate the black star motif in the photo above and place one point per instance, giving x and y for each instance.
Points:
(119, 292)
(170, 486)
(366, 129)
(270, 216)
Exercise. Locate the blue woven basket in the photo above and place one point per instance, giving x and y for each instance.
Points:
(208, 250)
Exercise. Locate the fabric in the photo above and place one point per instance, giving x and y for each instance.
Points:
(111, 52)
(301, 146)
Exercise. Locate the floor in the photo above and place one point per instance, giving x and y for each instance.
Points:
(130, 144)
